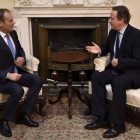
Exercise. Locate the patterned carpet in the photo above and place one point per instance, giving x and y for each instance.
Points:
(57, 126)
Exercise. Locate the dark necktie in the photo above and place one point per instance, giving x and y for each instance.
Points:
(115, 70)
(10, 45)
(117, 46)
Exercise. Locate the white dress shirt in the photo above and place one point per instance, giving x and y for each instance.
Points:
(120, 37)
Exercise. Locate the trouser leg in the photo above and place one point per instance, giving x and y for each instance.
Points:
(99, 102)
(119, 86)
(34, 83)
(16, 92)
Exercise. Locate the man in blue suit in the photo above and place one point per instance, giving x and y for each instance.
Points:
(123, 44)
(12, 78)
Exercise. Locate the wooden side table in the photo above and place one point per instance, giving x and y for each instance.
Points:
(68, 58)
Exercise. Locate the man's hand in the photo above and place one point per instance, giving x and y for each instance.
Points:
(114, 62)
(13, 76)
(94, 49)
(20, 61)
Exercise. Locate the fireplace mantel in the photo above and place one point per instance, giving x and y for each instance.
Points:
(24, 10)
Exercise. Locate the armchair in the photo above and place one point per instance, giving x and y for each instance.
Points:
(133, 95)
(31, 67)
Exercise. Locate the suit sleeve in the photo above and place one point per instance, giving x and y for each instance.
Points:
(105, 49)
(3, 75)
(20, 51)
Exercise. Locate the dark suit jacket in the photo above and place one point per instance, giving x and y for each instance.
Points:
(6, 58)
(129, 60)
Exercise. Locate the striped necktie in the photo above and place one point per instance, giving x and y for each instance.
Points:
(10, 45)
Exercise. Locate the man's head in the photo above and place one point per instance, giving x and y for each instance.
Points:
(119, 17)
(6, 21)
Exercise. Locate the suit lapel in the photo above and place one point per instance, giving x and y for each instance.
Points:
(113, 37)
(125, 36)
(5, 46)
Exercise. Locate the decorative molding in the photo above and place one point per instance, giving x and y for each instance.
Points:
(96, 2)
(29, 12)
(111, 2)
(40, 2)
(32, 3)
(24, 2)
(104, 3)
(68, 2)
(101, 2)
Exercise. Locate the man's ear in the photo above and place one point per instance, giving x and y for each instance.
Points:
(122, 20)
(1, 23)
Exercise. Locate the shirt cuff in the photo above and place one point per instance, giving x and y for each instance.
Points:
(7, 75)
(99, 54)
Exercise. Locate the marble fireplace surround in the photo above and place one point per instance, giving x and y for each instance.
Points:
(24, 10)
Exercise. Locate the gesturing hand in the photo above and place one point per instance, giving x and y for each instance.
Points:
(13, 76)
(93, 49)
(20, 61)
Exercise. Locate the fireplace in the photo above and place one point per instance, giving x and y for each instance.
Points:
(66, 34)
(35, 19)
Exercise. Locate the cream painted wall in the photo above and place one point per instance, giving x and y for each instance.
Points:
(7, 4)
(133, 5)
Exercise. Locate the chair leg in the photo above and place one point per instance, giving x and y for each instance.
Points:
(42, 103)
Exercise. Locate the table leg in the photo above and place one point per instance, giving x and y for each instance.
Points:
(69, 90)
(59, 97)
(69, 82)
(77, 92)
(70, 102)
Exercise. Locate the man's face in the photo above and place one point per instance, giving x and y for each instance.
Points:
(7, 24)
(115, 23)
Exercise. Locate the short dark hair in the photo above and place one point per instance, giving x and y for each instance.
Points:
(2, 11)
(123, 13)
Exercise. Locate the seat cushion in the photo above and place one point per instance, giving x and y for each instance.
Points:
(133, 96)
(4, 97)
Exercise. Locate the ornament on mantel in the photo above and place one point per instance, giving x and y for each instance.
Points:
(34, 2)
(25, 2)
(111, 1)
(64, 2)
(99, 2)
(39, 2)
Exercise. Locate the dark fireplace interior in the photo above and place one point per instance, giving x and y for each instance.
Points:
(69, 38)
(51, 35)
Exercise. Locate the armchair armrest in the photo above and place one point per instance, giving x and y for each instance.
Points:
(31, 65)
(101, 62)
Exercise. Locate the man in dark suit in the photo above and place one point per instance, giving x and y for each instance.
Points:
(12, 78)
(123, 44)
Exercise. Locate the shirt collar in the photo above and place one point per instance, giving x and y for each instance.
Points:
(123, 30)
(2, 34)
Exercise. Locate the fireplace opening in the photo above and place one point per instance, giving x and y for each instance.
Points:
(52, 35)
(70, 40)
(65, 38)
